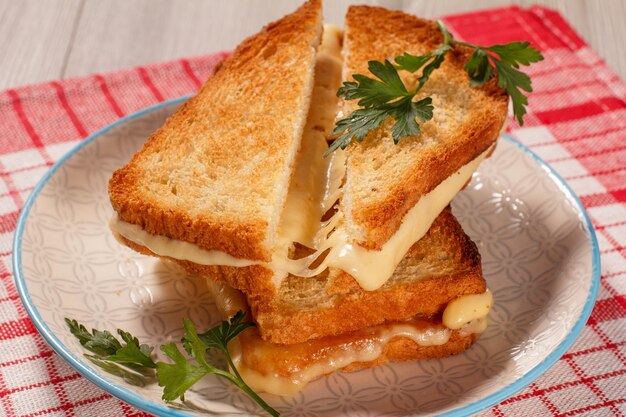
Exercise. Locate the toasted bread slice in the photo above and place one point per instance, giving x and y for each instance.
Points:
(261, 279)
(216, 174)
(440, 267)
(385, 180)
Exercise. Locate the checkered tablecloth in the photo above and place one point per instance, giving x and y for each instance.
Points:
(576, 122)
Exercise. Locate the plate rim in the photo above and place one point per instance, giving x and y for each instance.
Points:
(162, 410)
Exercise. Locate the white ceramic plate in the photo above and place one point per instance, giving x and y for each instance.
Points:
(539, 254)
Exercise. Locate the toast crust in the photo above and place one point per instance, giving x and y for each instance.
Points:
(238, 136)
(384, 181)
(440, 267)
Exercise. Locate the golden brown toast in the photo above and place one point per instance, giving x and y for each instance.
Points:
(385, 180)
(217, 173)
(440, 267)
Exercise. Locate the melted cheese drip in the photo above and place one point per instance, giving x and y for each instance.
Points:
(476, 326)
(172, 248)
(367, 347)
(467, 308)
(314, 189)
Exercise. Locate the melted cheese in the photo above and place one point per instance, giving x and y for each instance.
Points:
(228, 300)
(176, 249)
(467, 308)
(370, 268)
(310, 186)
(366, 350)
(477, 326)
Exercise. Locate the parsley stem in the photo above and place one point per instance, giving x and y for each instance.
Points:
(245, 388)
(447, 38)
(461, 43)
(238, 380)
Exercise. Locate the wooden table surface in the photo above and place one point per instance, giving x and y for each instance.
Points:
(54, 39)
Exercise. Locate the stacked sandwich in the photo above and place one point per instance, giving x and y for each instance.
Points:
(343, 262)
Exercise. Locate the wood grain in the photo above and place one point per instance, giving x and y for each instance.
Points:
(606, 32)
(64, 38)
(130, 33)
(35, 39)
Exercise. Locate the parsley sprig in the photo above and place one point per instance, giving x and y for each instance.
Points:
(133, 361)
(387, 96)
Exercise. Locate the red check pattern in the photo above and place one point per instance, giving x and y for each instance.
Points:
(576, 121)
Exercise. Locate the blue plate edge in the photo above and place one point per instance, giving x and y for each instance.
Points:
(82, 367)
(162, 410)
(569, 340)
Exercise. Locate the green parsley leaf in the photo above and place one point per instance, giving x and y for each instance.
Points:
(133, 353)
(137, 379)
(178, 377)
(98, 342)
(388, 97)
(516, 53)
(429, 62)
(411, 63)
(131, 361)
(357, 125)
(218, 337)
(349, 90)
(360, 122)
(511, 56)
(479, 68)
(506, 59)
(438, 55)
(513, 80)
(406, 112)
(374, 92)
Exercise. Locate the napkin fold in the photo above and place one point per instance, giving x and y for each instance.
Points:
(576, 122)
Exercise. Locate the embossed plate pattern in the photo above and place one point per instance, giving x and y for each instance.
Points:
(540, 259)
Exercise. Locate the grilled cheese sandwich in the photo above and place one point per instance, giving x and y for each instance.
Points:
(334, 277)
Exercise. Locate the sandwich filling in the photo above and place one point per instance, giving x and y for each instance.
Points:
(287, 369)
(312, 216)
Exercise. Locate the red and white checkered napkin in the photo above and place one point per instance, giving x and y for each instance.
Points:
(577, 122)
